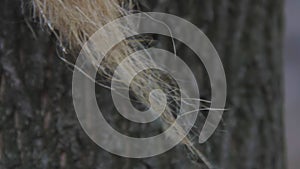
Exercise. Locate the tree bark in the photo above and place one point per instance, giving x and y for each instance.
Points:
(39, 128)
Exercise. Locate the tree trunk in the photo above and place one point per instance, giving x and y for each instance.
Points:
(248, 38)
(39, 128)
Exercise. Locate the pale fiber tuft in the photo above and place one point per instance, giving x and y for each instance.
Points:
(74, 21)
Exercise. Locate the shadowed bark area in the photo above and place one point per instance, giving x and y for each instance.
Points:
(39, 128)
(248, 37)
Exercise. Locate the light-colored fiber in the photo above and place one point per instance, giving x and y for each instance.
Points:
(74, 21)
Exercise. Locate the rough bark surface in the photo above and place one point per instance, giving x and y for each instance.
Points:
(39, 128)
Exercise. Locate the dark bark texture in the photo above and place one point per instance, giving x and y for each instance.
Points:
(39, 128)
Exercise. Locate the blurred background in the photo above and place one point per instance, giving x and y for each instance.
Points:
(292, 82)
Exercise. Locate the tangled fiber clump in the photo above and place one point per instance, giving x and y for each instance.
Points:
(74, 21)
